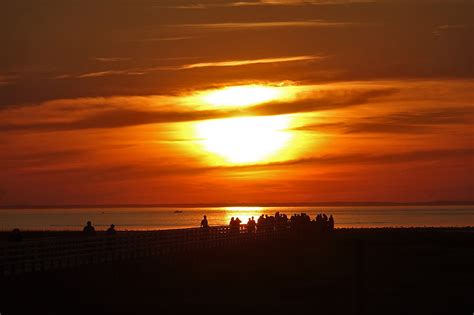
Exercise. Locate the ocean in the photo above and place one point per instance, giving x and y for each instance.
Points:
(151, 218)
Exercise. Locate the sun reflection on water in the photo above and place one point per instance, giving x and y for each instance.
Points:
(243, 213)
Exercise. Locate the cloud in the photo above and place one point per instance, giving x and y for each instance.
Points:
(208, 5)
(323, 100)
(46, 157)
(107, 73)
(401, 123)
(7, 79)
(367, 158)
(256, 25)
(234, 63)
(227, 63)
(111, 59)
(111, 114)
(297, 2)
(143, 170)
(439, 30)
(164, 39)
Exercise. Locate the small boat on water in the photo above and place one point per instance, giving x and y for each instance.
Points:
(178, 211)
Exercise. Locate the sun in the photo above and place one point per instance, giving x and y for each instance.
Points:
(245, 139)
(242, 95)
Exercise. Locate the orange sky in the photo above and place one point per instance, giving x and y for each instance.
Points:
(160, 101)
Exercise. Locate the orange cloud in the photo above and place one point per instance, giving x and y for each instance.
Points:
(234, 63)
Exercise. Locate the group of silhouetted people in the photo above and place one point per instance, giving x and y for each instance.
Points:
(265, 222)
(235, 225)
(89, 230)
(297, 221)
(322, 223)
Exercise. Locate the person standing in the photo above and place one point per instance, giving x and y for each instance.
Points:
(89, 229)
(204, 223)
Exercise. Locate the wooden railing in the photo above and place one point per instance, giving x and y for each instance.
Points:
(55, 253)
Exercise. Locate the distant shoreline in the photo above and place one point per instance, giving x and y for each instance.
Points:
(269, 204)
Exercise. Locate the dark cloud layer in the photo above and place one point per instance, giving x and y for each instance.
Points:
(424, 121)
(127, 171)
(123, 117)
(372, 40)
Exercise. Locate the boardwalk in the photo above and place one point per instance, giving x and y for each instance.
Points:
(55, 253)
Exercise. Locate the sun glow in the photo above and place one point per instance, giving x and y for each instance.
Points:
(246, 139)
(242, 95)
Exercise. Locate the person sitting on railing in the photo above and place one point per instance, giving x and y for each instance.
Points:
(111, 230)
(88, 229)
(204, 223)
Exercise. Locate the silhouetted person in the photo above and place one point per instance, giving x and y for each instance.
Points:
(260, 223)
(204, 223)
(237, 224)
(111, 230)
(232, 225)
(89, 229)
(251, 225)
(331, 223)
(15, 236)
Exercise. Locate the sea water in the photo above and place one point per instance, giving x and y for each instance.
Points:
(150, 218)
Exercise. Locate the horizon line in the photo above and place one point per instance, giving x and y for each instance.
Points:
(247, 204)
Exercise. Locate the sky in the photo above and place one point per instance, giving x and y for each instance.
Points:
(180, 101)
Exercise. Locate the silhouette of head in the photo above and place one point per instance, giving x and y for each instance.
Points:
(89, 223)
(205, 217)
(112, 225)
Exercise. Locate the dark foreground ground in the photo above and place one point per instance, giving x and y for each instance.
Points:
(374, 271)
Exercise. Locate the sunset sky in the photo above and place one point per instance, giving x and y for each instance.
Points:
(170, 101)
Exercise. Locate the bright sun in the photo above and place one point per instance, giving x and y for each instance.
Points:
(242, 95)
(246, 139)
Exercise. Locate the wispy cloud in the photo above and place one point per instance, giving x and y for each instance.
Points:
(128, 171)
(271, 24)
(227, 63)
(439, 30)
(164, 39)
(111, 59)
(233, 63)
(99, 74)
(7, 79)
(424, 121)
(365, 158)
(208, 5)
